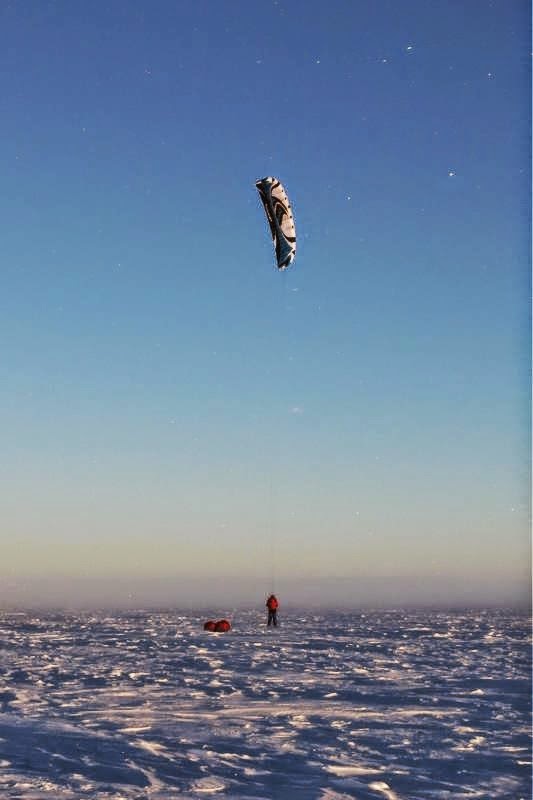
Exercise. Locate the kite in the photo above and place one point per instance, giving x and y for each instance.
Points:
(279, 215)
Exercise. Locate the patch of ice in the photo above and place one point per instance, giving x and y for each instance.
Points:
(208, 785)
(381, 786)
(476, 741)
(345, 771)
(299, 721)
(236, 756)
(155, 748)
(510, 749)
(253, 771)
(135, 729)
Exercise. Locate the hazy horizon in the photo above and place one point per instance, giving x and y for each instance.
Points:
(228, 593)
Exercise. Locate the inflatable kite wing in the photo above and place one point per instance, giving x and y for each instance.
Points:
(279, 215)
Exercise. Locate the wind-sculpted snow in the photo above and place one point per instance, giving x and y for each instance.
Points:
(384, 705)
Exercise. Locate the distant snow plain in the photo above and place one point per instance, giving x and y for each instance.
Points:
(388, 705)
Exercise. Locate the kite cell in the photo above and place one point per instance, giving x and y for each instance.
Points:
(279, 215)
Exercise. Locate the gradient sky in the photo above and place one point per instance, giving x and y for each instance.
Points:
(170, 404)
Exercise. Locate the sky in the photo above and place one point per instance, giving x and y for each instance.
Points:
(178, 420)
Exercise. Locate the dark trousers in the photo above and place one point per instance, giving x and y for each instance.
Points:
(272, 616)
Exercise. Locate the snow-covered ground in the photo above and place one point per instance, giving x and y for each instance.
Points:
(385, 705)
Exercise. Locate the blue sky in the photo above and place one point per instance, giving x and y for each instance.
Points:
(170, 404)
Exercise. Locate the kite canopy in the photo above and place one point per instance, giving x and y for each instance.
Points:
(279, 216)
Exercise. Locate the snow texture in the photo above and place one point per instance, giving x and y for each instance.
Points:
(383, 705)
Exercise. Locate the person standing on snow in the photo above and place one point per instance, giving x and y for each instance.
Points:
(272, 605)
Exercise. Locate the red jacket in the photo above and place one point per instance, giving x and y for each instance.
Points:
(272, 603)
